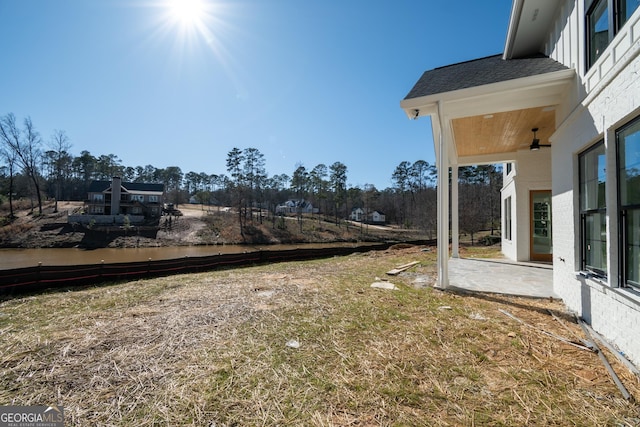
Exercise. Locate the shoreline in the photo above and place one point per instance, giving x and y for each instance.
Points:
(196, 228)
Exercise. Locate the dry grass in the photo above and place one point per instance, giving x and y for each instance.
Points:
(9, 230)
(210, 349)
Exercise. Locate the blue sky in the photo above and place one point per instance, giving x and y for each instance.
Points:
(305, 82)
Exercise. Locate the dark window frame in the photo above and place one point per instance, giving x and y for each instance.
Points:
(624, 210)
(585, 213)
(615, 22)
(508, 218)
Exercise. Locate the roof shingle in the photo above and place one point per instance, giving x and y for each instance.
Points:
(479, 72)
(100, 186)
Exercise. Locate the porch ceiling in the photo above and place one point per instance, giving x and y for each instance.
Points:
(502, 132)
(484, 109)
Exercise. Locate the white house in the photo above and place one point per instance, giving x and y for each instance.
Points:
(296, 206)
(378, 217)
(561, 109)
(373, 217)
(357, 214)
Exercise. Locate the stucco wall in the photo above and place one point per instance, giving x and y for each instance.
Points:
(509, 190)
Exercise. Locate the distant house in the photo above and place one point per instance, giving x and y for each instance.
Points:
(357, 214)
(296, 206)
(373, 217)
(111, 201)
(378, 217)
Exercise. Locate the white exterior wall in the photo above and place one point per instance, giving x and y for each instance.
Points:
(566, 44)
(531, 171)
(509, 247)
(612, 90)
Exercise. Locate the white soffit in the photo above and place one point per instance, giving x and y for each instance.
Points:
(529, 25)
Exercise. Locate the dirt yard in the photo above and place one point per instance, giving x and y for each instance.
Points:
(197, 226)
(308, 344)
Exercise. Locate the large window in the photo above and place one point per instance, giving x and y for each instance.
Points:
(628, 139)
(593, 236)
(604, 20)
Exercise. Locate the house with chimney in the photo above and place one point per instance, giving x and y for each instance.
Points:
(109, 202)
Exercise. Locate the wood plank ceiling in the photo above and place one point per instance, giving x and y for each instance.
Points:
(502, 132)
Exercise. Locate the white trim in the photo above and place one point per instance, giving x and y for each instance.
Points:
(514, 20)
(455, 213)
(442, 163)
(543, 88)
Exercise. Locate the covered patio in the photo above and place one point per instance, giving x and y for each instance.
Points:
(501, 276)
(484, 111)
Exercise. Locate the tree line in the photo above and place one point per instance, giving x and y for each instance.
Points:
(35, 169)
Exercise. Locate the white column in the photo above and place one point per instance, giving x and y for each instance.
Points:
(455, 240)
(442, 164)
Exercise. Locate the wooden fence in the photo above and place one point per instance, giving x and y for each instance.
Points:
(33, 279)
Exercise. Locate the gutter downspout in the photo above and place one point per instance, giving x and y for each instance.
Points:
(514, 20)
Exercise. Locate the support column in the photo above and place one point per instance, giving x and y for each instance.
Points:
(442, 164)
(455, 213)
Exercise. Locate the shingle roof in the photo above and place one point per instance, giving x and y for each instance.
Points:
(479, 72)
(100, 186)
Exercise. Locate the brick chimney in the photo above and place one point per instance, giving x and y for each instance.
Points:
(116, 187)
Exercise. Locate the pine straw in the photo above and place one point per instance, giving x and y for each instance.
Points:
(210, 349)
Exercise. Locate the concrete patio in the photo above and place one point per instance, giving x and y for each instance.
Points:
(502, 276)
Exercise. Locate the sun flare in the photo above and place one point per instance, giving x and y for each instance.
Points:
(187, 12)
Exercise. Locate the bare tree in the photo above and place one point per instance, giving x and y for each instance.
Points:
(235, 159)
(60, 146)
(300, 185)
(320, 185)
(338, 179)
(255, 176)
(10, 157)
(401, 178)
(25, 145)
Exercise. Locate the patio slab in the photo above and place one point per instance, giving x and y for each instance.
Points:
(502, 276)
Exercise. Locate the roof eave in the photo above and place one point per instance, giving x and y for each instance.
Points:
(428, 105)
(516, 12)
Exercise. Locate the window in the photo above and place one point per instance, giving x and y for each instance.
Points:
(628, 141)
(625, 10)
(601, 25)
(96, 197)
(598, 28)
(137, 198)
(507, 218)
(153, 199)
(593, 235)
(509, 168)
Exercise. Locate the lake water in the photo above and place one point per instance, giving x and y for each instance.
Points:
(18, 258)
